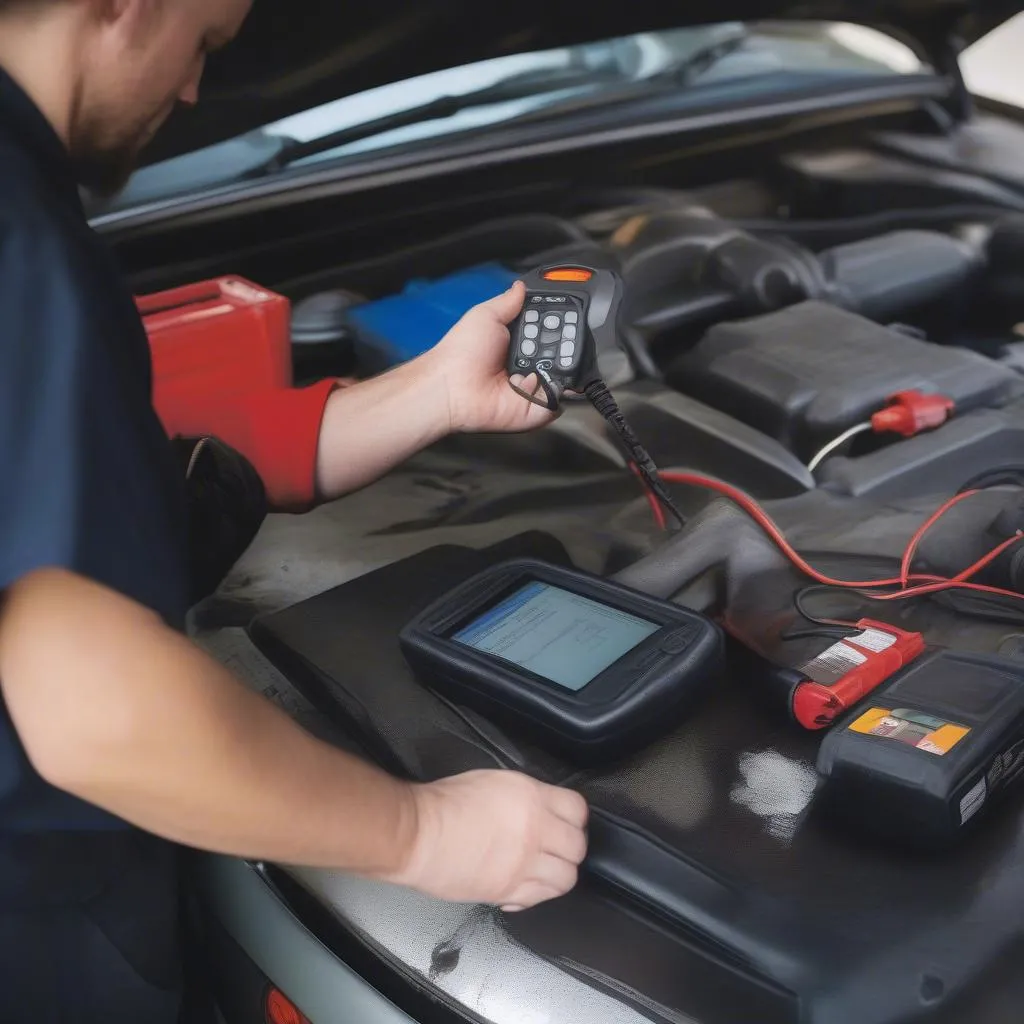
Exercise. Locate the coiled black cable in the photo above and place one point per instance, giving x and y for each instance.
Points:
(603, 401)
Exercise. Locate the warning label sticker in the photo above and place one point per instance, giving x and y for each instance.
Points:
(873, 640)
(911, 728)
(833, 663)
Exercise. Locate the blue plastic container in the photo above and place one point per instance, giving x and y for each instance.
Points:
(400, 327)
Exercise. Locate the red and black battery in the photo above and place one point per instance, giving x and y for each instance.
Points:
(848, 670)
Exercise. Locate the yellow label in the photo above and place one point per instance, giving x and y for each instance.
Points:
(867, 722)
(948, 737)
(912, 728)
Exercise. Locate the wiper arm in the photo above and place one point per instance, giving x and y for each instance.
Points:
(678, 73)
(523, 86)
(688, 69)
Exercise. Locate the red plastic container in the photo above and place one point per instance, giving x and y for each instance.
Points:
(213, 340)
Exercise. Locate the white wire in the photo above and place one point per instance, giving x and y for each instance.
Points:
(837, 442)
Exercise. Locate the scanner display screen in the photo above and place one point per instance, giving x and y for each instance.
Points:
(556, 634)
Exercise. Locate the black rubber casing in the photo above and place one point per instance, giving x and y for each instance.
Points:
(915, 797)
(711, 885)
(596, 303)
(618, 711)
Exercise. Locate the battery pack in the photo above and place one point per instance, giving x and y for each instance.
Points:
(930, 752)
(212, 340)
(848, 670)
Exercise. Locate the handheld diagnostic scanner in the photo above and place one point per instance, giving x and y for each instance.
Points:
(570, 310)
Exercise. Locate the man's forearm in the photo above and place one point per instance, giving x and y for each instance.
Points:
(373, 426)
(122, 712)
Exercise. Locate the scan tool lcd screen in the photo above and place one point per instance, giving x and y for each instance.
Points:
(560, 636)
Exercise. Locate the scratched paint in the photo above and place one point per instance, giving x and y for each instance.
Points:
(775, 788)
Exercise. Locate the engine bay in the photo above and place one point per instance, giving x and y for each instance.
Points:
(757, 330)
(776, 331)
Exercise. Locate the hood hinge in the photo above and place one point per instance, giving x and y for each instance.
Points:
(945, 50)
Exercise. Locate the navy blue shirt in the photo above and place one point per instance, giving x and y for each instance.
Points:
(89, 906)
(87, 479)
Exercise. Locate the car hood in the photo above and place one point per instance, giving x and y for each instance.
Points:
(292, 56)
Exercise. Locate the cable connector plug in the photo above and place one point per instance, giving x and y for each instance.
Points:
(910, 412)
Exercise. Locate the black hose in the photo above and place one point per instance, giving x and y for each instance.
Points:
(866, 224)
(842, 228)
(800, 604)
(1009, 475)
(838, 633)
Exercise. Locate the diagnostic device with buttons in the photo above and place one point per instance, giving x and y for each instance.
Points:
(567, 312)
(928, 755)
(585, 666)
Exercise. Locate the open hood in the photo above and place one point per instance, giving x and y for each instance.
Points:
(296, 54)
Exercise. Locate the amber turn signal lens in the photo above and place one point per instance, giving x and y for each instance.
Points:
(281, 1010)
(568, 274)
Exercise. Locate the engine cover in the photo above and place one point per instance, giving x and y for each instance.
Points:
(804, 374)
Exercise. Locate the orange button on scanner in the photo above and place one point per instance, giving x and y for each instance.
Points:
(568, 274)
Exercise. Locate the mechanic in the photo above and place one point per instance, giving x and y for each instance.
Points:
(121, 743)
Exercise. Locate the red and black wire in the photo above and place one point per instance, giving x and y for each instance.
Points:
(906, 585)
(912, 412)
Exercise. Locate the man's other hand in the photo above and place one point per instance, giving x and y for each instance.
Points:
(471, 361)
(495, 837)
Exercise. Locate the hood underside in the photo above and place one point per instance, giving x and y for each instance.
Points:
(293, 56)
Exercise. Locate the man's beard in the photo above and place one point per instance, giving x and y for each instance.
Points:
(105, 173)
(104, 168)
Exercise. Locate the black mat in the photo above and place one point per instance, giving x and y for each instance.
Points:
(716, 890)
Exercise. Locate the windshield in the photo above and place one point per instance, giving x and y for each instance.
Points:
(731, 60)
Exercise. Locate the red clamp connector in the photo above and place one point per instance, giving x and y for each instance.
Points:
(910, 412)
(849, 670)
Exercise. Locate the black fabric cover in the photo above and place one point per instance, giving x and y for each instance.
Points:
(710, 831)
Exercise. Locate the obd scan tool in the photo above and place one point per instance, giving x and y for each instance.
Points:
(584, 665)
(569, 310)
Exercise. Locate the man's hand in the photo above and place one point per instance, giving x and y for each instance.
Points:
(120, 711)
(459, 385)
(495, 837)
(471, 361)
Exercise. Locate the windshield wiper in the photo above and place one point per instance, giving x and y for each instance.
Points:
(680, 73)
(689, 68)
(524, 86)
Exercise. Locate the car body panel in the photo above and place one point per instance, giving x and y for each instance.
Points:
(324, 988)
